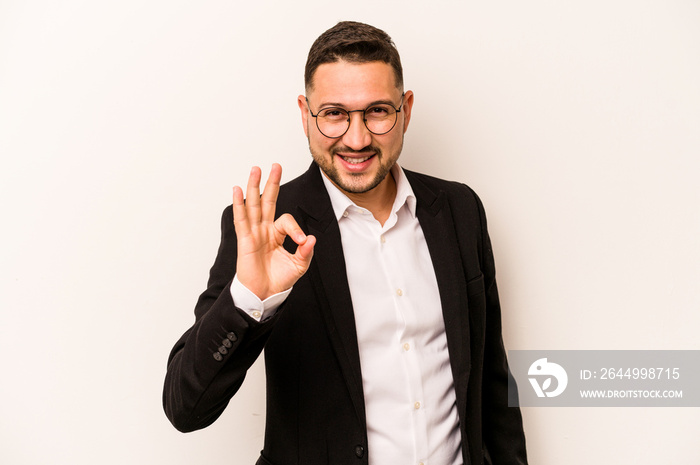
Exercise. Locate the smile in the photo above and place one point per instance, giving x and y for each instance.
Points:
(355, 161)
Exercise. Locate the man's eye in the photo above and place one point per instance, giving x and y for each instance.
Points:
(333, 113)
(377, 111)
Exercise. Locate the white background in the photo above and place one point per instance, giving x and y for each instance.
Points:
(124, 125)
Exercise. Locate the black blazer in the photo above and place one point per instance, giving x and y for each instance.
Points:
(315, 402)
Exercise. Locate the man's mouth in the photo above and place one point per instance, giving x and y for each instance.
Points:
(356, 160)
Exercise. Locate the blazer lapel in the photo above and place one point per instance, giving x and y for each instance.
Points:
(435, 217)
(328, 276)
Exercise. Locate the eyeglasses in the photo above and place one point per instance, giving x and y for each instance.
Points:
(334, 122)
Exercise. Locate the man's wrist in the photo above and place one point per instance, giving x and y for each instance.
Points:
(248, 302)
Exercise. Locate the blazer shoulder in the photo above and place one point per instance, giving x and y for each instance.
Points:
(458, 194)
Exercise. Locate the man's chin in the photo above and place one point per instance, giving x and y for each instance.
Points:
(355, 183)
(349, 182)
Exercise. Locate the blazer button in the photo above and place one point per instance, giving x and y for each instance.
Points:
(222, 350)
(218, 357)
(226, 343)
(232, 337)
(359, 451)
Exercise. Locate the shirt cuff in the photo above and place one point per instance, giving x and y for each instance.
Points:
(259, 310)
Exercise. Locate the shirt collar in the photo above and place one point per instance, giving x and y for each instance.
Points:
(404, 194)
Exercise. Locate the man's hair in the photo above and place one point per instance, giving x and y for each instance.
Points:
(355, 43)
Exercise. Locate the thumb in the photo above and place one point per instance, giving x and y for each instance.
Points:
(305, 252)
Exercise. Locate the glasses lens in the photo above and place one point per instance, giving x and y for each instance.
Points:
(380, 119)
(333, 122)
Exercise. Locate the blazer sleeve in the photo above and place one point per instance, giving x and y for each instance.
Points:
(503, 435)
(209, 362)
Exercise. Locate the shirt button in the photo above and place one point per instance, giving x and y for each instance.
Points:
(406, 347)
(382, 239)
(345, 214)
(399, 292)
(359, 451)
(416, 405)
(256, 314)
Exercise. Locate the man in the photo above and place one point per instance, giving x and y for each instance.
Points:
(372, 292)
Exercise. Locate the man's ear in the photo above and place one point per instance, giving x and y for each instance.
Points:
(301, 101)
(406, 109)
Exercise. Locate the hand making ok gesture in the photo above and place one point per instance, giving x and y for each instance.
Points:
(263, 265)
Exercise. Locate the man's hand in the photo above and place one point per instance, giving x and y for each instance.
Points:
(263, 265)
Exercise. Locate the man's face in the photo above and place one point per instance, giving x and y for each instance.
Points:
(358, 161)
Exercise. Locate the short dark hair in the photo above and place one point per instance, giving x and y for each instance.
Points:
(356, 43)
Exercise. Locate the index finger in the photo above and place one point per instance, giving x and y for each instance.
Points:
(269, 195)
(240, 216)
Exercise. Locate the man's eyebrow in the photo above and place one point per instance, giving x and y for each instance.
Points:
(331, 104)
(340, 105)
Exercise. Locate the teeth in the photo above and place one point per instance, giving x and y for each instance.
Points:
(355, 161)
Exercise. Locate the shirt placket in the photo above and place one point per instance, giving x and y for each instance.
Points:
(391, 247)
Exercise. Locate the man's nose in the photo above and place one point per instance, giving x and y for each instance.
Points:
(357, 136)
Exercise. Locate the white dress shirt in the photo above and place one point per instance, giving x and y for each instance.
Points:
(406, 376)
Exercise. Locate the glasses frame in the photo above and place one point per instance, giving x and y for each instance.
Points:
(364, 119)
